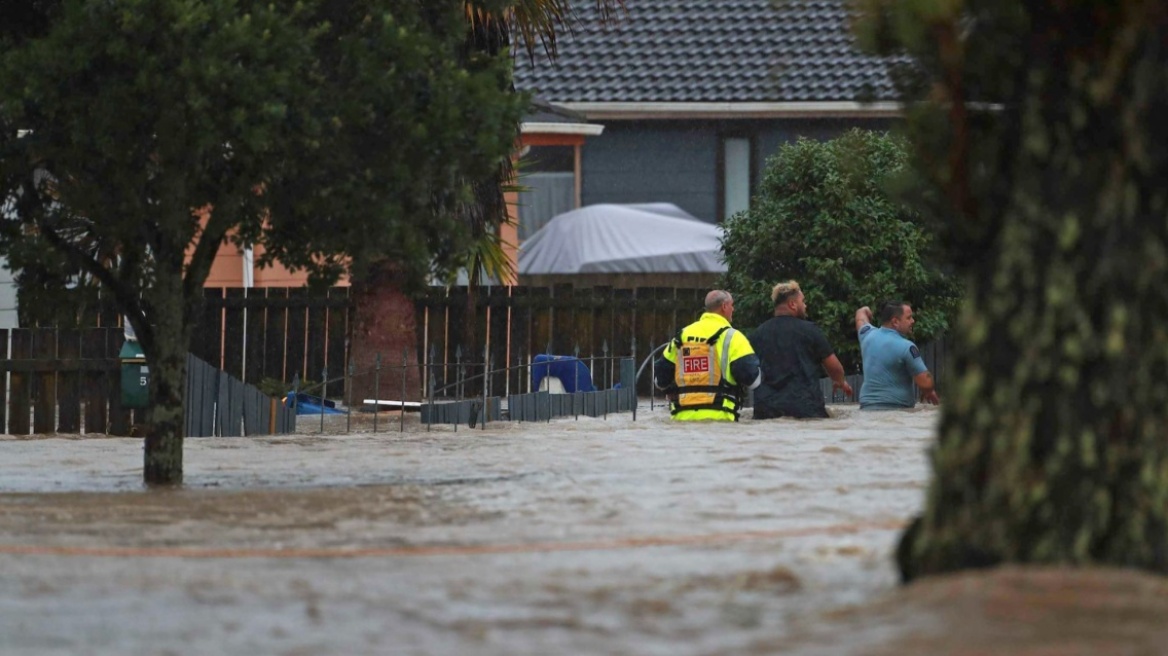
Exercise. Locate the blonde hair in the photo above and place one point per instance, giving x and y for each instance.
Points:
(784, 291)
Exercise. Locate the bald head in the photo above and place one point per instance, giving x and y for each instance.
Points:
(720, 302)
(715, 299)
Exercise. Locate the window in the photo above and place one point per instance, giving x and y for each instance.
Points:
(548, 177)
(736, 175)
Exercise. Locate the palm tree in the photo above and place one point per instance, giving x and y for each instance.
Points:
(494, 28)
(529, 25)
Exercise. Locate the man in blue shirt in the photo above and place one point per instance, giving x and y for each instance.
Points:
(892, 363)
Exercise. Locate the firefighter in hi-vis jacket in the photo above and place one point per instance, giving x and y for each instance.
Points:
(708, 367)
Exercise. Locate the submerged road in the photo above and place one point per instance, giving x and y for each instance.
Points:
(570, 537)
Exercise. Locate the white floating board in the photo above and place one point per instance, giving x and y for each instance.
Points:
(393, 404)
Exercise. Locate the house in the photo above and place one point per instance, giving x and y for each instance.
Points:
(549, 148)
(694, 96)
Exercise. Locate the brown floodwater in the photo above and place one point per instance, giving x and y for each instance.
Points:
(592, 536)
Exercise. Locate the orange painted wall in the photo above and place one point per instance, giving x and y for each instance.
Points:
(227, 269)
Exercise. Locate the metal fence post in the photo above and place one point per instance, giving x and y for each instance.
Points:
(458, 372)
(323, 395)
(633, 393)
(405, 364)
(604, 355)
(486, 374)
(524, 378)
(429, 369)
(349, 398)
(376, 389)
(430, 404)
(652, 378)
(576, 375)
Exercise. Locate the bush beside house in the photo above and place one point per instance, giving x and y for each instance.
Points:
(826, 216)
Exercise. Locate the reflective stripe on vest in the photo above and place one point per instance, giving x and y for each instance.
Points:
(702, 379)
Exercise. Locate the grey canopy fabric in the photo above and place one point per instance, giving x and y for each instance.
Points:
(606, 238)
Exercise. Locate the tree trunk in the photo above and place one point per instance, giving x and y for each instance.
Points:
(1053, 445)
(166, 343)
(384, 323)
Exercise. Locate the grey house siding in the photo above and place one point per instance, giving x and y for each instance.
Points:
(8, 315)
(773, 134)
(649, 162)
(677, 161)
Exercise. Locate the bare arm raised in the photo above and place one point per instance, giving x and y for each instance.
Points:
(863, 318)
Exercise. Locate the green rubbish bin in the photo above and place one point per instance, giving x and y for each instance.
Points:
(135, 376)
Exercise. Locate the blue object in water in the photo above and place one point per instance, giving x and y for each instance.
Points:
(573, 374)
(306, 404)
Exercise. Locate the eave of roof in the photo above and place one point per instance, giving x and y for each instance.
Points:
(536, 127)
(735, 110)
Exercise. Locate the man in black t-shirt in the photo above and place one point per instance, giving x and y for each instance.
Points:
(793, 353)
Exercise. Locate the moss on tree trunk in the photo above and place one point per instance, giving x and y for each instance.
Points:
(1053, 440)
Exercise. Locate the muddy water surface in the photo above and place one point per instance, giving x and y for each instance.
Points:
(591, 536)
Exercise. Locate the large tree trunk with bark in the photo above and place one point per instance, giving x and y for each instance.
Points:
(166, 342)
(384, 324)
(1053, 444)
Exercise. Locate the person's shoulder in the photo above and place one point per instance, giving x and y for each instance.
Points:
(765, 326)
(913, 350)
(811, 326)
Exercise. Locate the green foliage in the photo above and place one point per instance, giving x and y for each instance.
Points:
(331, 134)
(1036, 130)
(825, 216)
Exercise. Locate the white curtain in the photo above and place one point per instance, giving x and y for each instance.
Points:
(545, 196)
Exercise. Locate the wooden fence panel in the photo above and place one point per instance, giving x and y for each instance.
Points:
(69, 382)
(316, 322)
(665, 312)
(603, 318)
(297, 327)
(540, 335)
(434, 344)
(204, 395)
(94, 383)
(253, 403)
(275, 335)
(456, 320)
(498, 302)
(20, 399)
(562, 322)
(337, 337)
(233, 330)
(457, 352)
(120, 420)
(645, 326)
(519, 340)
(689, 305)
(256, 334)
(222, 418)
(207, 343)
(44, 383)
(3, 381)
(478, 353)
(190, 398)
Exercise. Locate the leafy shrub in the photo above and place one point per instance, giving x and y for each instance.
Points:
(826, 215)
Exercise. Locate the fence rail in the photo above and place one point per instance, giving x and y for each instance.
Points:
(286, 333)
(69, 381)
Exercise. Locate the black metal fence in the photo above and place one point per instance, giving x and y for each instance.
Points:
(219, 404)
(603, 386)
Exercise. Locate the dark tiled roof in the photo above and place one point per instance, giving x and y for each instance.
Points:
(709, 51)
(542, 111)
